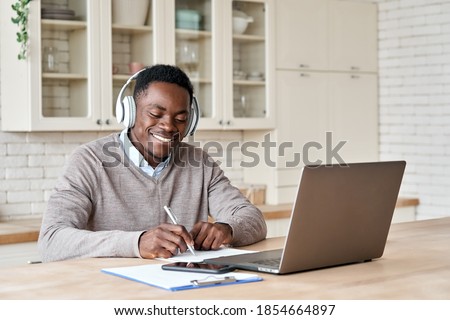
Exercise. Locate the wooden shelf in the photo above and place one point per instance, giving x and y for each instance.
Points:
(248, 83)
(248, 38)
(131, 29)
(192, 34)
(66, 25)
(63, 76)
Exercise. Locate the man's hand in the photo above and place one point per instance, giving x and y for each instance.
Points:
(209, 236)
(164, 241)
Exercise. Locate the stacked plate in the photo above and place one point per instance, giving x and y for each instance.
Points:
(57, 13)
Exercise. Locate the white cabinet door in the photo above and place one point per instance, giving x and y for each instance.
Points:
(302, 118)
(194, 44)
(301, 34)
(65, 96)
(127, 45)
(247, 99)
(208, 49)
(354, 115)
(353, 36)
(95, 50)
(92, 56)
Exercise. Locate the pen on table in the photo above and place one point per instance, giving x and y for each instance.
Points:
(174, 221)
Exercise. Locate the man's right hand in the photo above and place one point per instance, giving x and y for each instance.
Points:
(164, 241)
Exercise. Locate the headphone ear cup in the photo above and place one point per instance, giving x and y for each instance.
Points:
(119, 111)
(194, 116)
(126, 107)
(129, 111)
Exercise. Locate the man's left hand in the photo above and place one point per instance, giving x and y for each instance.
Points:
(210, 236)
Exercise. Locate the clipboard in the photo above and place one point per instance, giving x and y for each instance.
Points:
(154, 275)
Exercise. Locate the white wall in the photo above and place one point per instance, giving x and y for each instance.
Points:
(414, 69)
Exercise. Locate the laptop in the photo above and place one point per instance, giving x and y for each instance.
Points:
(341, 215)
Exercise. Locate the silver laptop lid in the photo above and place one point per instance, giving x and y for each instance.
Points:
(342, 214)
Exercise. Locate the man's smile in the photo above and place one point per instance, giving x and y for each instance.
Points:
(162, 139)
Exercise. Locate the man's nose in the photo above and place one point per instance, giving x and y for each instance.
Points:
(168, 124)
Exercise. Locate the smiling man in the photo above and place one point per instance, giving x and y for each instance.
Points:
(109, 201)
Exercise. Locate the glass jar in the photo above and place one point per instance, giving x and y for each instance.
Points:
(187, 57)
(50, 59)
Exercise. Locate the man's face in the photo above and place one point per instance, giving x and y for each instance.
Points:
(162, 114)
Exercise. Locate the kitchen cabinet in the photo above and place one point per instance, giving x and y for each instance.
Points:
(329, 35)
(233, 75)
(324, 103)
(301, 26)
(303, 99)
(353, 111)
(252, 53)
(353, 36)
(94, 52)
(126, 39)
(64, 98)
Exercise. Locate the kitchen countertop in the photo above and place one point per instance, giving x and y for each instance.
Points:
(280, 211)
(22, 230)
(26, 230)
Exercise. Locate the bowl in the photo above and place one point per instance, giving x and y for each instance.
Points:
(240, 21)
(240, 25)
(130, 13)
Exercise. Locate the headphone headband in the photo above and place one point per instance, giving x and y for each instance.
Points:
(126, 109)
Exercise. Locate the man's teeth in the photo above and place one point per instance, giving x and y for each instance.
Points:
(162, 138)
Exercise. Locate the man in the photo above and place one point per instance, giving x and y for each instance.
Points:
(109, 200)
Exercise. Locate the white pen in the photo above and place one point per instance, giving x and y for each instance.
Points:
(174, 221)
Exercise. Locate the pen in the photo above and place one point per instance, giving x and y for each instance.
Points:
(174, 221)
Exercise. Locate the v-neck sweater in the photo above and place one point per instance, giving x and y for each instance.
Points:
(102, 202)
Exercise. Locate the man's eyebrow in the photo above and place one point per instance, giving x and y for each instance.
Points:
(155, 105)
(160, 107)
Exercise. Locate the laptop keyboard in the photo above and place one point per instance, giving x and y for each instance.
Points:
(274, 262)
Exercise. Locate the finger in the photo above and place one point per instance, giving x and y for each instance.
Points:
(161, 242)
(183, 236)
(213, 240)
(209, 237)
(200, 234)
(217, 235)
(196, 229)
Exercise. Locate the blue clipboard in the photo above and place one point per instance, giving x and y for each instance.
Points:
(153, 275)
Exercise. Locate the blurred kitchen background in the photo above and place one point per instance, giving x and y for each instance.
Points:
(245, 60)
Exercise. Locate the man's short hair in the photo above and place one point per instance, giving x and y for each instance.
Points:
(162, 73)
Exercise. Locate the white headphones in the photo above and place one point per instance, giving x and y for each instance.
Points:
(126, 109)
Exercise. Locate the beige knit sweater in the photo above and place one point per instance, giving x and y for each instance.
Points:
(102, 202)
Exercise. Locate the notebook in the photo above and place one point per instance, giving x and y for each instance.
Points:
(341, 215)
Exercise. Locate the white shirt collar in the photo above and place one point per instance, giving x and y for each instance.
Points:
(138, 159)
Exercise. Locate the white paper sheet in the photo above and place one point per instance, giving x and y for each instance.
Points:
(174, 280)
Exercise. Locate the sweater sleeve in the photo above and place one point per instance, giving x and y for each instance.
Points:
(64, 232)
(228, 205)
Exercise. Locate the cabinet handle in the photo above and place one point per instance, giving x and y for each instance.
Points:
(355, 68)
(304, 75)
(302, 65)
(99, 122)
(354, 76)
(220, 122)
(107, 121)
(228, 122)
